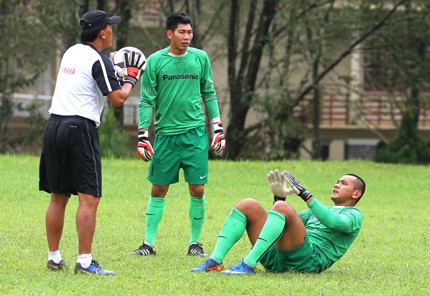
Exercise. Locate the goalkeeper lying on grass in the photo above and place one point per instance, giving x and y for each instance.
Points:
(285, 240)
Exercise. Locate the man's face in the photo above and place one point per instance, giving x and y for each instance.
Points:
(106, 35)
(180, 39)
(343, 193)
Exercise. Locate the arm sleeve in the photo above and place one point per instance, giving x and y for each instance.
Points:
(343, 222)
(207, 89)
(145, 114)
(212, 109)
(148, 93)
(104, 74)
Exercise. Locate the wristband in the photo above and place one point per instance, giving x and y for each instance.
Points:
(276, 198)
(306, 195)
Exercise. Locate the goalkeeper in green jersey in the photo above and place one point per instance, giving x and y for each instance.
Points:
(176, 84)
(285, 240)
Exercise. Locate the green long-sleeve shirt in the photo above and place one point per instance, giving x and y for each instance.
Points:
(331, 229)
(174, 88)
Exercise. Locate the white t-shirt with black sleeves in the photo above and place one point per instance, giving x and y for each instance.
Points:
(84, 79)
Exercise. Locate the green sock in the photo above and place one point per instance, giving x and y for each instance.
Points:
(271, 232)
(154, 213)
(196, 213)
(231, 231)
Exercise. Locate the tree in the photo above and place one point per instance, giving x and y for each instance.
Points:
(245, 51)
(22, 61)
(403, 71)
(122, 8)
(266, 24)
(408, 146)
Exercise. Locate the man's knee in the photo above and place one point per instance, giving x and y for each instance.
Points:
(283, 208)
(159, 190)
(59, 199)
(247, 204)
(88, 200)
(197, 190)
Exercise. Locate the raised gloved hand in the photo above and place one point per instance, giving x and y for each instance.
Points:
(218, 140)
(277, 184)
(134, 63)
(144, 148)
(297, 186)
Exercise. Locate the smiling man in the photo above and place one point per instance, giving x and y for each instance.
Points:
(285, 240)
(177, 80)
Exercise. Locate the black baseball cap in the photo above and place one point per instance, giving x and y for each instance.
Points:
(97, 18)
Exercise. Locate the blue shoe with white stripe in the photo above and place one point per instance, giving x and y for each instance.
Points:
(240, 269)
(94, 268)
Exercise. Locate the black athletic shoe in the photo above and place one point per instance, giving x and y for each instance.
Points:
(144, 250)
(51, 265)
(196, 249)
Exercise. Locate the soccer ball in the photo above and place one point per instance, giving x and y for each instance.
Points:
(119, 58)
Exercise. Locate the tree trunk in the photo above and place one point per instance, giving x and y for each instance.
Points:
(124, 9)
(242, 81)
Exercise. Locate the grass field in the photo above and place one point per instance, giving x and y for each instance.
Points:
(391, 255)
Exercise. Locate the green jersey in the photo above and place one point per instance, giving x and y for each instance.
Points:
(174, 87)
(331, 229)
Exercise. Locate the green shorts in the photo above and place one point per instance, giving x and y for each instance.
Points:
(303, 259)
(188, 151)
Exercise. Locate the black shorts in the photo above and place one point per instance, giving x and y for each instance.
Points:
(70, 160)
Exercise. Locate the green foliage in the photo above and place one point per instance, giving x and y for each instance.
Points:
(389, 257)
(276, 137)
(407, 147)
(61, 18)
(32, 136)
(113, 140)
(36, 123)
(25, 50)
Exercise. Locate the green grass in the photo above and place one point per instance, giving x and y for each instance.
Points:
(391, 255)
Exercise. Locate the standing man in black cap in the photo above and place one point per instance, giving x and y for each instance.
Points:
(70, 162)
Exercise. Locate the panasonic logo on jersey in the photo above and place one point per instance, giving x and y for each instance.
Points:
(181, 76)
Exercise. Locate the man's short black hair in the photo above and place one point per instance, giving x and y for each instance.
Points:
(89, 35)
(176, 18)
(360, 185)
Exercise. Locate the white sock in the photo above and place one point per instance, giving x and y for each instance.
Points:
(85, 260)
(55, 256)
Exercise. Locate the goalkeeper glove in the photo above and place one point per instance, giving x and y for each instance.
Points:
(134, 63)
(277, 184)
(297, 186)
(144, 149)
(218, 140)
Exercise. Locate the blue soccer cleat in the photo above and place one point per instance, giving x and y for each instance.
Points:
(94, 268)
(208, 265)
(240, 269)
